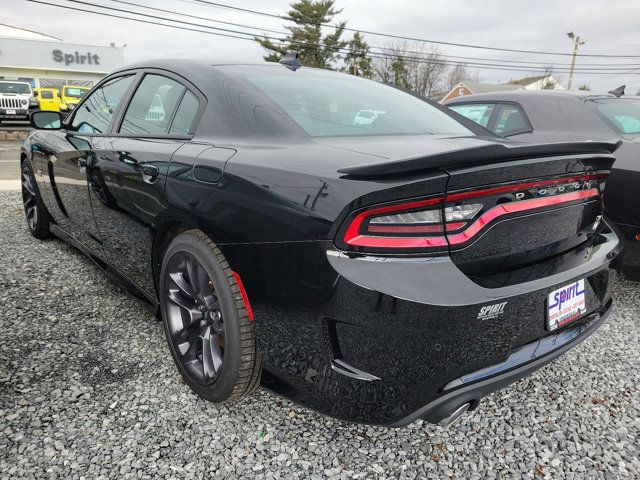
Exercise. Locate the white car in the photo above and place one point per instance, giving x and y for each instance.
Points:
(367, 117)
(16, 98)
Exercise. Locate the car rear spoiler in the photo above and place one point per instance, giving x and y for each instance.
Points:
(491, 153)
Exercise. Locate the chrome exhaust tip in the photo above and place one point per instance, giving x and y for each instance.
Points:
(457, 414)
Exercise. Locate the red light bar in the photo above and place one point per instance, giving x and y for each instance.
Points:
(516, 207)
(353, 236)
(397, 242)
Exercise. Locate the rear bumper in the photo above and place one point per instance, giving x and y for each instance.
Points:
(19, 115)
(523, 361)
(438, 281)
(394, 342)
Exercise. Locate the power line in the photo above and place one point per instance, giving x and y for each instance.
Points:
(77, 9)
(249, 36)
(414, 39)
(391, 49)
(512, 67)
(190, 16)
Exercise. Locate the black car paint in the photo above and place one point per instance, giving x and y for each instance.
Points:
(571, 116)
(274, 213)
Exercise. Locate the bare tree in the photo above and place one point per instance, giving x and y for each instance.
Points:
(460, 73)
(411, 66)
(427, 71)
(548, 84)
(389, 67)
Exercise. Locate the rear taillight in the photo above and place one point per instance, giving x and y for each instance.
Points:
(434, 224)
(406, 225)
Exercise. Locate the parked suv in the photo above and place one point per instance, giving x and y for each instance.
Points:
(48, 99)
(16, 98)
(70, 96)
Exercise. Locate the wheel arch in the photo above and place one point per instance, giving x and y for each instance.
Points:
(172, 226)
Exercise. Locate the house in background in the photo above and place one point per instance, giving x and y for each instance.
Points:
(541, 82)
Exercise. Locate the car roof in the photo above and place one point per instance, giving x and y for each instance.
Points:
(529, 94)
(186, 64)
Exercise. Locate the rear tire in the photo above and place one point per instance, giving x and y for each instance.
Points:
(35, 210)
(209, 333)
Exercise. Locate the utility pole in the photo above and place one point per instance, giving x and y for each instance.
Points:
(577, 43)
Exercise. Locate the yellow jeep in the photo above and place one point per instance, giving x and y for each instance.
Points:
(48, 98)
(71, 95)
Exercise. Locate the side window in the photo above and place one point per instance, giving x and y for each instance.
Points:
(185, 114)
(511, 119)
(152, 105)
(95, 113)
(477, 112)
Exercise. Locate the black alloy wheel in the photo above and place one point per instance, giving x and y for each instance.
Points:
(195, 322)
(34, 208)
(208, 330)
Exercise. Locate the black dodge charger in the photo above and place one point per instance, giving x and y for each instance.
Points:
(338, 241)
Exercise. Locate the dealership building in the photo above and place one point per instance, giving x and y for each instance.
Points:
(46, 61)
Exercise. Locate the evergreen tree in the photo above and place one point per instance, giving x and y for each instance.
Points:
(400, 72)
(316, 49)
(357, 58)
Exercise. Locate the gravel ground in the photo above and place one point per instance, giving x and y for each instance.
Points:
(88, 389)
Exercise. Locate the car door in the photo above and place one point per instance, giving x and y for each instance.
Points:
(48, 100)
(70, 151)
(129, 168)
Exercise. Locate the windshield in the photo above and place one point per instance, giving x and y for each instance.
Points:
(623, 114)
(325, 103)
(75, 92)
(11, 87)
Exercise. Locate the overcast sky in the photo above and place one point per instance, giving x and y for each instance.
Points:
(608, 27)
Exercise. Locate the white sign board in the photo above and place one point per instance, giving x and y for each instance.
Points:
(46, 55)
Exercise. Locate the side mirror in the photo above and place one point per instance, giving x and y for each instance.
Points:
(45, 120)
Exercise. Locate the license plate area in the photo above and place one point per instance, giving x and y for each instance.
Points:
(11, 112)
(566, 304)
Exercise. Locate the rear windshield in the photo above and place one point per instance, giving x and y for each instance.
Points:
(623, 114)
(75, 92)
(9, 87)
(325, 103)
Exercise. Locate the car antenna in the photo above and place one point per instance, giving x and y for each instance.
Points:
(291, 60)
(618, 92)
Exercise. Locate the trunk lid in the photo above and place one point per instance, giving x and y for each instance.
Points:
(531, 211)
(508, 211)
